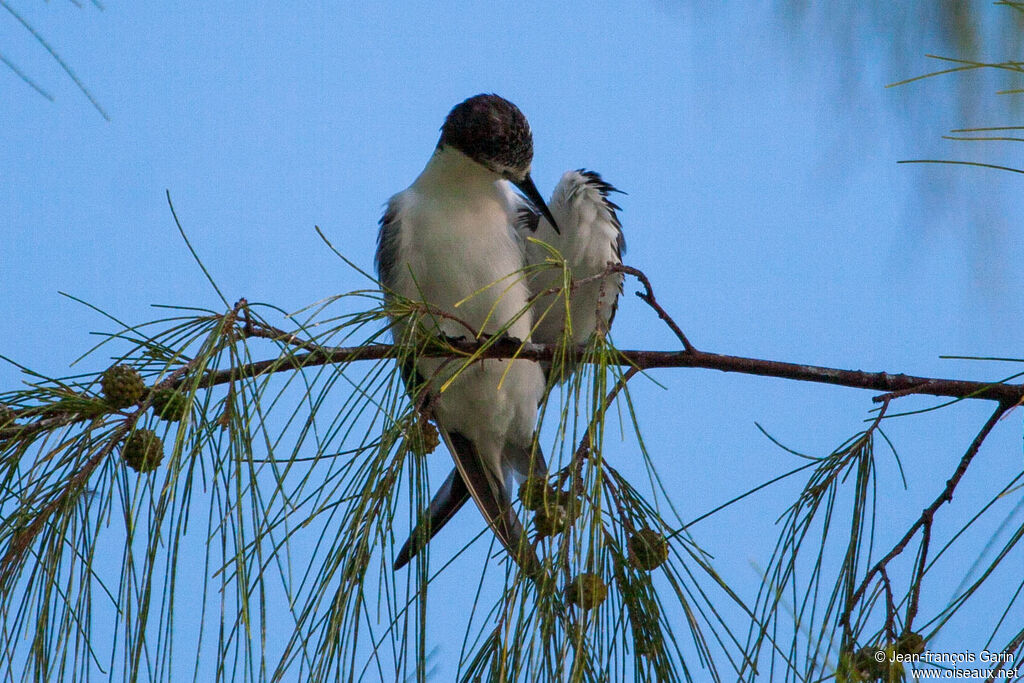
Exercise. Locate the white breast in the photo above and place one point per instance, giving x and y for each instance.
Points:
(460, 254)
(457, 250)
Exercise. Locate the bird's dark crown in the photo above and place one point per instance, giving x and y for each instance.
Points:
(491, 131)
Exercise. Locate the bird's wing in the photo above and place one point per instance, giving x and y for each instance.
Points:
(490, 492)
(386, 258)
(585, 213)
(448, 500)
(598, 225)
(590, 238)
(584, 187)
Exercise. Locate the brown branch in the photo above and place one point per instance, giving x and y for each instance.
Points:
(506, 348)
(648, 298)
(894, 385)
(265, 331)
(1008, 394)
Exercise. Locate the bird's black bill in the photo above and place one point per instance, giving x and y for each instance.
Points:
(527, 187)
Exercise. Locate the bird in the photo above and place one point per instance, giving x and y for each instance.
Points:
(585, 229)
(590, 240)
(449, 241)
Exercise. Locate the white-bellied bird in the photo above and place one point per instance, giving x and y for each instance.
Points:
(449, 240)
(582, 224)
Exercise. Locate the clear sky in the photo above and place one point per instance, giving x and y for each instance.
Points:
(764, 202)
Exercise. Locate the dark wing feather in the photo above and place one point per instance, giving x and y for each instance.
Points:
(491, 497)
(493, 500)
(527, 218)
(386, 258)
(594, 179)
(448, 500)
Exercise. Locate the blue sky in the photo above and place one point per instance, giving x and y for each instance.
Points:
(764, 202)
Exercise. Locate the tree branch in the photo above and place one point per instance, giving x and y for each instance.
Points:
(645, 360)
(314, 354)
(648, 298)
(902, 384)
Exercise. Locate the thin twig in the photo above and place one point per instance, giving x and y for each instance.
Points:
(648, 298)
(585, 443)
(917, 578)
(22, 540)
(890, 607)
(925, 520)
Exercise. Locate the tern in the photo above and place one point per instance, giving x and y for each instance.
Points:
(449, 241)
(583, 225)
